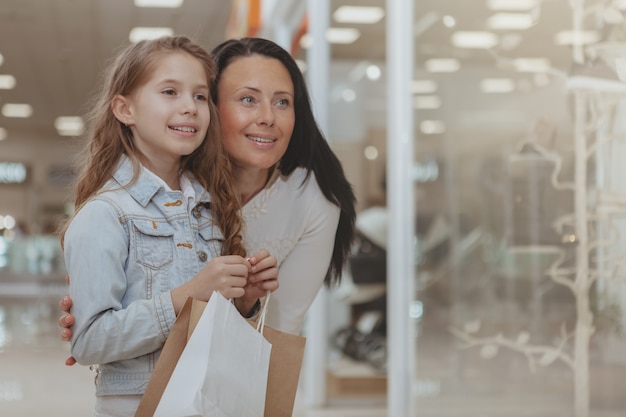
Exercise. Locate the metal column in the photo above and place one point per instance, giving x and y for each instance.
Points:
(318, 59)
(401, 233)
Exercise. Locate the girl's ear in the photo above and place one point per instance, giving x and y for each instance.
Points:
(121, 108)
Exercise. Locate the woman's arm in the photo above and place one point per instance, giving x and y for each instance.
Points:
(303, 270)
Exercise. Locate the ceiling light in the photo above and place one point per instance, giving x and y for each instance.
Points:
(357, 14)
(578, 37)
(342, 35)
(171, 4)
(442, 65)
(432, 127)
(17, 110)
(370, 152)
(373, 72)
(474, 39)
(7, 82)
(497, 85)
(449, 21)
(146, 33)
(511, 5)
(333, 35)
(9, 222)
(423, 86)
(510, 21)
(348, 95)
(532, 64)
(3, 133)
(69, 125)
(426, 102)
(306, 41)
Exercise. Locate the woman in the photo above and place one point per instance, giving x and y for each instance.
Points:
(298, 203)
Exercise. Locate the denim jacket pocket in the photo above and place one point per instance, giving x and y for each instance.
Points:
(213, 237)
(155, 243)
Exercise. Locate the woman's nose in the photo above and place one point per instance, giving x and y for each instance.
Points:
(266, 115)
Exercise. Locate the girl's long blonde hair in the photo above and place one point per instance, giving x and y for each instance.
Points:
(108, 138)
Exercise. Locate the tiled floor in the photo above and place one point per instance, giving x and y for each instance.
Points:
(34, 381)
(33, 378)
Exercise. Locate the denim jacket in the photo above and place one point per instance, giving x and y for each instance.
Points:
(125, 249)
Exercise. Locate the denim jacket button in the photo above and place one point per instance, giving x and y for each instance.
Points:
(203, 256)
(196, 212)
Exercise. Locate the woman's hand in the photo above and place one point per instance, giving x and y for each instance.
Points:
(66, 321)
(263, 277)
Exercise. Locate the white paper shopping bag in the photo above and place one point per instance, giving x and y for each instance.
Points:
(223, 369)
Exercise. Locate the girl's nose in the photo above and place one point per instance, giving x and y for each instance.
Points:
(189, 106)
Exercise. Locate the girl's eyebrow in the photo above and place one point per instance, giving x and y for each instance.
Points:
(173, 81)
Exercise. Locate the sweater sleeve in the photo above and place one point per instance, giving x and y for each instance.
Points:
(303, 270)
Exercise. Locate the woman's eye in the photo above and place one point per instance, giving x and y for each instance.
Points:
(283, 102)
(247, 100)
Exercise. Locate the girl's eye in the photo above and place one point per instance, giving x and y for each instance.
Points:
(169, 92)
(200, 97)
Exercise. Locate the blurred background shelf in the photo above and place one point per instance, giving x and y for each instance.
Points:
(350, 378)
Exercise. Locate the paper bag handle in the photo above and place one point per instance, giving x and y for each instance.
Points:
(261, 321)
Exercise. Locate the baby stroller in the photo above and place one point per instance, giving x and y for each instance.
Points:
(365, 288)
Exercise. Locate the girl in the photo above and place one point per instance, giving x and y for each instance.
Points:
(144, 221)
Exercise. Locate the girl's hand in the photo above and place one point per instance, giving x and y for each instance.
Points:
(226, 274)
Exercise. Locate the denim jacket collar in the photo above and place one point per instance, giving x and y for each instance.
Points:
(144, 189)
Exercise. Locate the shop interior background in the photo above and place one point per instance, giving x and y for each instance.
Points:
(519, 124)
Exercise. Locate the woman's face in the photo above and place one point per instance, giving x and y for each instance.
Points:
(256, 108)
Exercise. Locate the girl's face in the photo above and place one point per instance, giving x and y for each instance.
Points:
(256, 107)
(169, 114)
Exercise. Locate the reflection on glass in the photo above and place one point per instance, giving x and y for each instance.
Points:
(526, 313)
(3, 330)
(11, 391)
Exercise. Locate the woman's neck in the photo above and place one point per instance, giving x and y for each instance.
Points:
(250, 182)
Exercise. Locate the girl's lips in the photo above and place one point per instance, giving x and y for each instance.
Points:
(186, 129)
